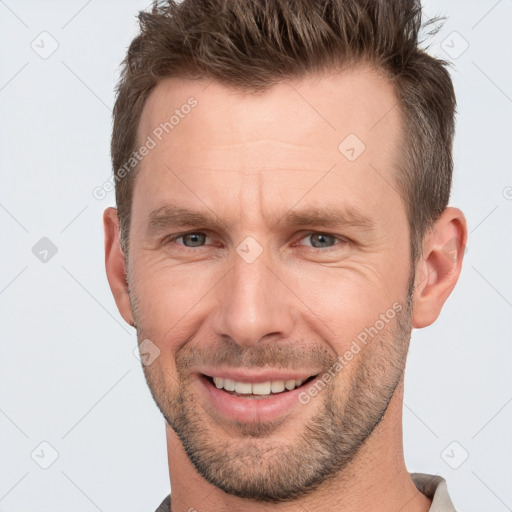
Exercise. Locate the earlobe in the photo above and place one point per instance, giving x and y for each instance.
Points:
(115, 265)
(438, 269)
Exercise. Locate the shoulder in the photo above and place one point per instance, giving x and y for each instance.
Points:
(434, 487)
(165, 506)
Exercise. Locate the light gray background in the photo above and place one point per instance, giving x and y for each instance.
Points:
(68, 373)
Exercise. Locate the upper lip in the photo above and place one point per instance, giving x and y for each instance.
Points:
(254, 376)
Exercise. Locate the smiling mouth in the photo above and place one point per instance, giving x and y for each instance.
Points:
(257, 389)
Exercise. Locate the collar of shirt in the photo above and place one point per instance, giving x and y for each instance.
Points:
(432, 486)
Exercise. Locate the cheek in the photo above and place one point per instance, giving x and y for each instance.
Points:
(343, 304)
(336, 304)
(169, 298)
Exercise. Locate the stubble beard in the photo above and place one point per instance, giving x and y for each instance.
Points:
(247, 462)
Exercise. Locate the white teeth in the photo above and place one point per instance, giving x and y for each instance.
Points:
(244, 388)
(229, 385)
(289, 384)
(277, 386)
(259, 388)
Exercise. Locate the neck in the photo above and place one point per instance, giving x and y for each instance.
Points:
(376, 479)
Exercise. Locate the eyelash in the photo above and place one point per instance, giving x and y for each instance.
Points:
(342, 240)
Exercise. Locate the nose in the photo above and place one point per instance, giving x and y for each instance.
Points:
(254, 304)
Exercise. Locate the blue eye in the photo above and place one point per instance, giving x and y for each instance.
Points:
(196, 239)
(322, 240)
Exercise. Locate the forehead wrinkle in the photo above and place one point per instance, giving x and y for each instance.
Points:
(250, 198)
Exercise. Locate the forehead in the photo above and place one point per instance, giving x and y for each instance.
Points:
(273, 145)
(317, 111)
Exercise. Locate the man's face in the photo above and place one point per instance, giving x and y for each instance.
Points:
(266, 293)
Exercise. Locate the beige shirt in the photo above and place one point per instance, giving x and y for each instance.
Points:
(432, 486)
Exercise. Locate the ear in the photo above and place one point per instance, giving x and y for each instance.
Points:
(439, 266)
(115, 265)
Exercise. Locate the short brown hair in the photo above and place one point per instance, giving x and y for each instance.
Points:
(253, 44)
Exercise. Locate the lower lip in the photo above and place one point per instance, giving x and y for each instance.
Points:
(252, 410)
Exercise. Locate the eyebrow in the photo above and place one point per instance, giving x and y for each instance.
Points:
(173, 216)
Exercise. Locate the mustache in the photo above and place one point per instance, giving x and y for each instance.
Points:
(227, 353)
